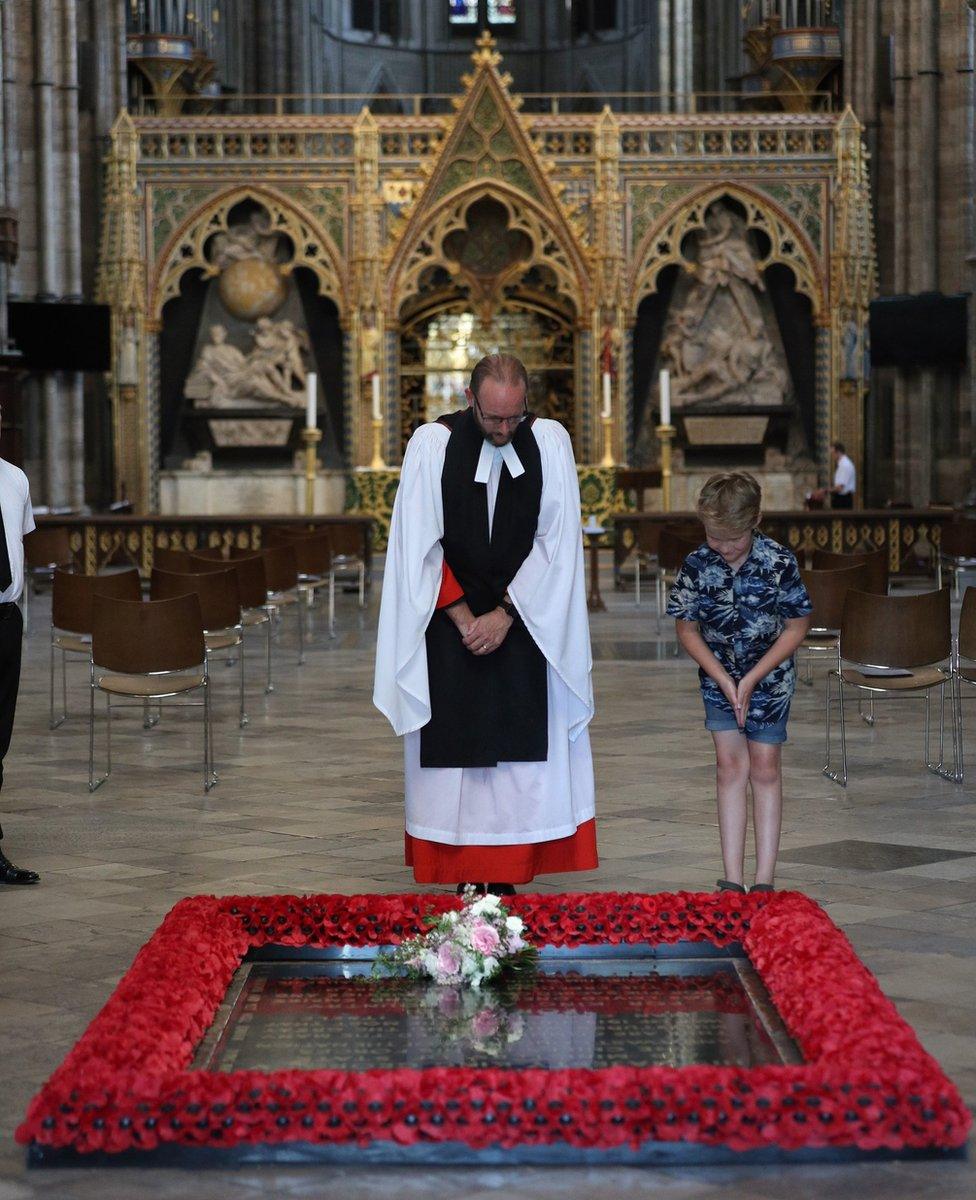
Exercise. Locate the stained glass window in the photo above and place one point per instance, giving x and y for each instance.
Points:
(463, 12)
(501, 12)
(492, 12)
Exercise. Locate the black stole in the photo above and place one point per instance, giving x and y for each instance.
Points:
(492, 708)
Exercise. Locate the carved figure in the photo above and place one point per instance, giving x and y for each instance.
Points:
(253, 238)
(717, 343)
(216, 375)
(274, 370)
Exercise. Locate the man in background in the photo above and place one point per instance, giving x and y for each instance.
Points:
(845, 478)
(16, 519)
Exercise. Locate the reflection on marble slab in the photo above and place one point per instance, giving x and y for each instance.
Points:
(575, 1013)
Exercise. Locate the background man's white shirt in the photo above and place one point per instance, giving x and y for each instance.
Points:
(18, 520)
(845, 476)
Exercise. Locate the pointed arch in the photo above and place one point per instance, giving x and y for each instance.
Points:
(383, 92)
(788, 243)
(488, 152)
(424, 247)
(185, 250)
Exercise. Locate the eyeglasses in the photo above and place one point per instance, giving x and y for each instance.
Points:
(493, 422)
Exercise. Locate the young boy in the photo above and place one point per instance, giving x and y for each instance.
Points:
(741, 611)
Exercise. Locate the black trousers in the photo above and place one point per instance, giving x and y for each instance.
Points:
(841, 501)
(11, 643)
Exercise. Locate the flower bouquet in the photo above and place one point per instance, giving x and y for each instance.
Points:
(467, 946)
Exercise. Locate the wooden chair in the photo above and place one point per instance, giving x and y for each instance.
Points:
(143, 652)
(220, 611)
(956, 551)
(252, 580)
(827, 591)
(674, 546)
(964, 648)
(46, 550)
(909, 636)
(72, 604)
(646, 557)
(313, 555)
(281, 571)
(349, 554)
(876, 561)
(171, 560)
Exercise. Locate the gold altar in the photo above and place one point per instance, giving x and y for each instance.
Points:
(437, 235)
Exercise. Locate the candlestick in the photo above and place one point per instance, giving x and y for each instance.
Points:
(664, 392)
(311, 437)
(664, 435)
(607, 460)
(377, 409)
(607, 398)
(311, 384)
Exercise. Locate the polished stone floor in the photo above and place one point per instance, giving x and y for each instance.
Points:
(310, 800)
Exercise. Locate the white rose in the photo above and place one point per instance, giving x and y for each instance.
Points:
(514, 924)
(487, 904)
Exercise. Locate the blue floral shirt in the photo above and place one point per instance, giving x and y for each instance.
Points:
(740, 614)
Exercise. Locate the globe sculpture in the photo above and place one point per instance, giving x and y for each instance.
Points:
(251, 288)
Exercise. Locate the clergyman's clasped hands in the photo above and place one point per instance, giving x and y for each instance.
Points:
(486, 633)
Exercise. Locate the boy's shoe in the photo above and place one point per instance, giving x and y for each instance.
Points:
(724, 885)
(501, 889)
(761, 887)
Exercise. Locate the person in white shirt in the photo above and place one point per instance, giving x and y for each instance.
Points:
(16, 519)
(845, 478)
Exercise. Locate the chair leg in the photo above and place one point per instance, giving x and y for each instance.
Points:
(209, 774)
(301, 632)
(841, 776)
(332, 628)
(362, 585)
(938, 572)
(960, 759)
(243, 719)
(637, 583)
(94, 783)
(939, 768)
(869, 718)
(269, 682)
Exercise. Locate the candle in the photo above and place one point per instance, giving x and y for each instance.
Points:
(606, 394)
(310, 403)
(377, 411)
(665, 397)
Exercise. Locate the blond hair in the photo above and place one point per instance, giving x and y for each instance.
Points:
(503, 368)
(730, 502)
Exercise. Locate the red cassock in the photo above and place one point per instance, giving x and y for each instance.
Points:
(438, 862)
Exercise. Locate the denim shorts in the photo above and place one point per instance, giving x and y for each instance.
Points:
(717, 720)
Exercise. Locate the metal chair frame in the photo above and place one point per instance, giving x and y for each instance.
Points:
(955, 564)
(210, 777)
(922, 693)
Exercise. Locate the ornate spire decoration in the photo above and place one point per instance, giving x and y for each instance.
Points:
(120, 279)
(488, 144)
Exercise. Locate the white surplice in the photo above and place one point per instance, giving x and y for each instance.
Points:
(513, 803)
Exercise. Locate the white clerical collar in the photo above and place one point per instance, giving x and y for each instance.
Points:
(490, 455)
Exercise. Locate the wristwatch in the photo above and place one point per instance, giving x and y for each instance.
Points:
(508, 607)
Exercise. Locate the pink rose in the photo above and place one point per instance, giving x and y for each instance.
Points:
(448, 959)
(484, 939)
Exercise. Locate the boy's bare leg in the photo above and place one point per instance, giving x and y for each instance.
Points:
(732, 777)
(766, 777)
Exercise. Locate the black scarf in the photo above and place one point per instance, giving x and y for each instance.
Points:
(491, 708)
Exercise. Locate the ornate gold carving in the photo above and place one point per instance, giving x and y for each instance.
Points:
(310, 245)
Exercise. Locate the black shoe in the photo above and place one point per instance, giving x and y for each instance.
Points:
(725, 885)
(501, 889)
(11, 874)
